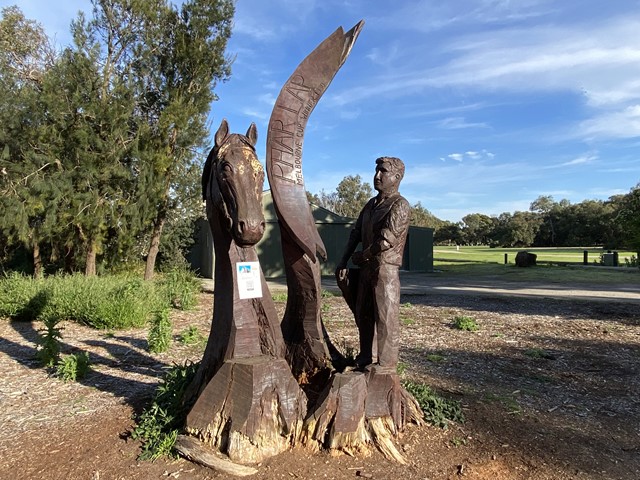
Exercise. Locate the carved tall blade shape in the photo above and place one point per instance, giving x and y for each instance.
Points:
(285, 137)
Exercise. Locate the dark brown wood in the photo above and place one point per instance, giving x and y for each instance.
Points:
(252, 409)
(195, 450)
(381, 229)
(154, 246)
(360, 410)
(309, 351)
(244, 400)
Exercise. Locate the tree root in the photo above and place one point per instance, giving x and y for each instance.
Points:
(198, 452)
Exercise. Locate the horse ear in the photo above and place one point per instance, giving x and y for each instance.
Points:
(252, 134)
(222, 132)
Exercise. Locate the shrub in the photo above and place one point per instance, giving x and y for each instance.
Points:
(279, 297)
(631, 262)
(437, 410)
(19, 297)
(180, 288)
(435, 357)
(158, 425)
(49, 351)
(73, 367)
(159, 338)
(109, 302)
(191, 336)
(462, 322)
(539, 353)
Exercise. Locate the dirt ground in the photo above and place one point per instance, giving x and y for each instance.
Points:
(550, 390)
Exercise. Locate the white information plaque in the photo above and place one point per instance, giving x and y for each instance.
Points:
(249, 284)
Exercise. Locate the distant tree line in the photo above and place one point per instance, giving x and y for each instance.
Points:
(101, 143)
(612, 223)
(352, 194)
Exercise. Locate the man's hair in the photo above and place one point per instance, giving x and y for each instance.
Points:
(397, 165)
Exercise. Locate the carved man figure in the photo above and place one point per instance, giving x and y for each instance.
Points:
(382, 229)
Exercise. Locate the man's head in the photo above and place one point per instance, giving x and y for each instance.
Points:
(389, 173)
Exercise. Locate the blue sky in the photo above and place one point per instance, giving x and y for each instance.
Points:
(490, 103)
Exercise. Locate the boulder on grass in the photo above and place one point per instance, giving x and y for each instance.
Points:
(525, 259)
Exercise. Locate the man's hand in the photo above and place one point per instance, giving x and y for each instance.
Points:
(341, 272)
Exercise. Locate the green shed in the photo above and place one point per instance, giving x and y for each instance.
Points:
(334, 231)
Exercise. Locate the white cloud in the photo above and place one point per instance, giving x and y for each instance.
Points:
(623, 123)
(267, 99)
(470, 155)
(255, 114)
(455, 123)
(599, 61)
(580, 160)
(607, 192)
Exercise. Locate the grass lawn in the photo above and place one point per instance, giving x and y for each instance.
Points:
(557, 265)
(445, 255)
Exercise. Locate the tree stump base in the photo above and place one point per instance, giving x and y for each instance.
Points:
(360, 409)
(251, 409)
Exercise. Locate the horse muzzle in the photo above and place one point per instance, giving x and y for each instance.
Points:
(247, 233)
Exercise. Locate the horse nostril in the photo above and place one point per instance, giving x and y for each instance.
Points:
(262, 226)
(241, 226)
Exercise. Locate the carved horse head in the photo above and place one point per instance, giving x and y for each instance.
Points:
(232, 183)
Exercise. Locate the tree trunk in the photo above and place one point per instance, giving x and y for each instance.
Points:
(154, 247)
(251, 409)
(37, 261)
(358, 410)
(90, 266)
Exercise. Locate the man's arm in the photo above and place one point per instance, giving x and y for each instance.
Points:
(355, 237)
(397, 221)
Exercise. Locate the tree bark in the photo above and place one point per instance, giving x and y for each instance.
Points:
(358, 410)
(251, 409)
(37, 261)
(90, 265)
(154, 246)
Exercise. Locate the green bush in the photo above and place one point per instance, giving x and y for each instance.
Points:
(462, 322)
(437, 410)
(279, 297)
(631, 262)
(159, 338)
(21, 297)
(180, 288)
(73, 367)
(192, 336)
(158, 425)
(49, 350)
(109, 302)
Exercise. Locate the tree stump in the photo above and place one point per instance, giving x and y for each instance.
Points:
(250, 410)
(362, 409)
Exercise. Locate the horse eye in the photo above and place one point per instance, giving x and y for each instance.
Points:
(227, 168)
